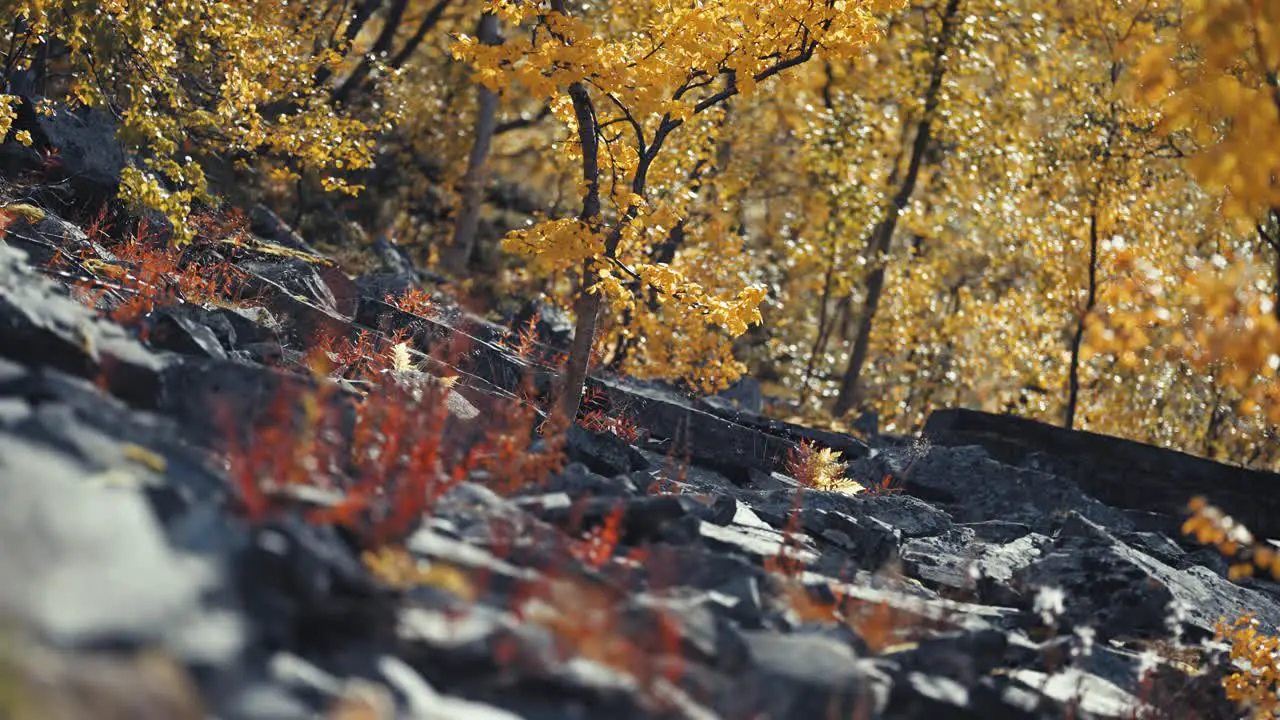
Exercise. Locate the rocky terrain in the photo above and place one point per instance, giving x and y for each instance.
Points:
(177, 546)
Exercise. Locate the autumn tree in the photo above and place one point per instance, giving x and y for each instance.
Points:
(472, 185)
(902, 184)
(625, 78)
(198, 78)
(987, 284)
(1214, 82)
(900, 147)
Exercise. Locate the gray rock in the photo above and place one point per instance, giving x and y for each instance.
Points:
(979, 488)
(48, 239)
(181, 330)
(96, 566)
(554, 327)
(579, 481)
(1125, 593)
(42, 327)
(796, 676)
(1116, 471)
(745, 394)
(603, 452)
(90, 157)
(267, 225)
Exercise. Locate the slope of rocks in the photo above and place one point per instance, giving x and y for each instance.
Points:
(678, 573)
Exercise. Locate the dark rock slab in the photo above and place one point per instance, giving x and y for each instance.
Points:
(867, 542)
(49, 238)
(89, 157)
(1123, 592)
(41, 326)
(800, 676)
(603, 452)
(975, 487)
(961, 565)
(264, 223)
(482, 363)
(296, 277)
(907, 515)
(919, 696)
(577, 481)
(724, 445)
(642, 518)
(210, 398)
(1119, 472)
(301, 322)
(305, 589)
(850, 448)
(714, 442)
(554, 327)
(184, 331)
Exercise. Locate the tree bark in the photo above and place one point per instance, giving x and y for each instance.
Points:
(473, 182)
(882, 235)
(429, 21)
(586, 309)
(1091, 301)
(358, 20)
(1271, 238)
(824, 330)
(587, 305)
(381, 48)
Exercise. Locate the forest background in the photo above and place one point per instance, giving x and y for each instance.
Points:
(1065, 210)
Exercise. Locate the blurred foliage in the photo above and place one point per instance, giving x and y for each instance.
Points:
(1093, 237)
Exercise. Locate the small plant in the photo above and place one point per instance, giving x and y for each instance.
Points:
(597, 548)
(584, 619)
(624, 426)
(149, 274)
(398, 569)
(510, 451)
(388, 474)
(819, 468)
(786, 562)
(888, 485)
(415, 301)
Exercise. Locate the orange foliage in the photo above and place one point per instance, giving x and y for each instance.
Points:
(786, 562)
(414, 300)
(598, 546)
(389, 475)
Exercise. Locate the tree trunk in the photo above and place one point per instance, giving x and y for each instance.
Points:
(848, 395)
(381, 48)
(428, 21)
(824, 330)
(882, 235)
(473, 182)
(358, 20)
(1271, 238)
(587, 306)
(1275, 285)
(1073, 377)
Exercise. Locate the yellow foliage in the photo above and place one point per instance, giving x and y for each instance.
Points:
(1217, 78)
(661, 74)
(190, 79)
(1254, 688)
(820, 468)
